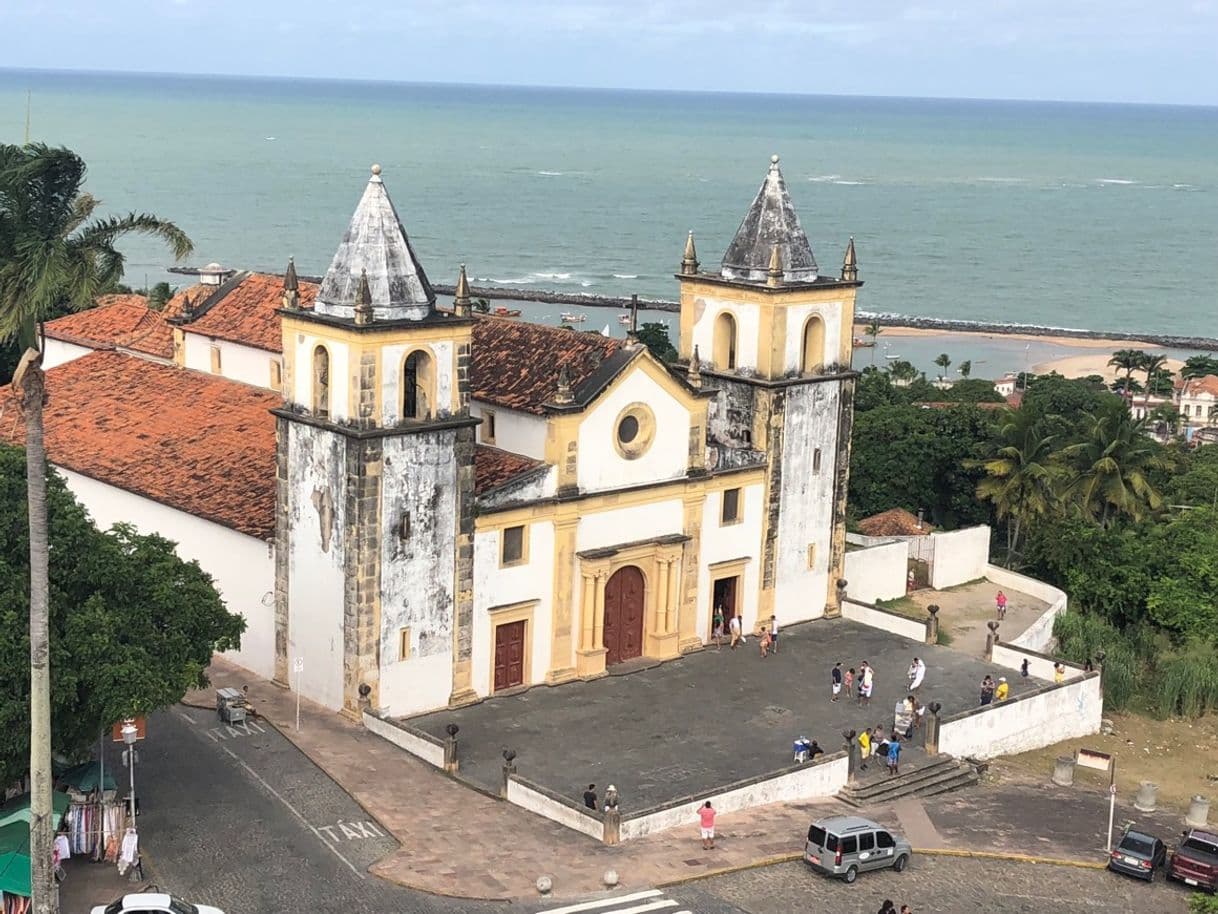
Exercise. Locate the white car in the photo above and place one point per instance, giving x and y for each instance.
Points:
(153, 903)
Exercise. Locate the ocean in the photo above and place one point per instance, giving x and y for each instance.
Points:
(1099, 216)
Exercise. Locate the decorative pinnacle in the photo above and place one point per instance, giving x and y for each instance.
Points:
(376, 169)
(850, 264)
(363, 300)
(694, 374)
(461, 298)
(774, 161)
(563, 396)
(689, 263)
(290, 282)
(774, 275)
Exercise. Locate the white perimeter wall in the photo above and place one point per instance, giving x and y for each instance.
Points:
(238, 363)
(421, 748)
(1024, 723)
(1039, 635)
(243, 567)
(960, 556)
(877, 572)
(517, 432)
(535, 801)
(725, 543)
(748, 323)
(495, 586)
(887, 621)
(57, 352)
(805, 783)
(602, 467)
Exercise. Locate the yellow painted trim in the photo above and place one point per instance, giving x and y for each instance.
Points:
(720, 571)
(276, 374)
(562, 448)
(378, 335)
(427, 382)
(739, 518)
(506, 615)
(645, 433)
(726, 564)
(525, 535)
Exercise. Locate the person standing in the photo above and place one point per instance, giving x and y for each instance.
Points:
(1023, 668)
(774, 633)
(1059, 673)
(1000, 602)
(864, 748)
(917, 672)
(717, 628)
(987, 689)
(894, 754)
(590, 797)
(868, 680)
(837, 680)
(849, 682)
(1003, 690)
(765, 641)
(706, 816)
(734, 627)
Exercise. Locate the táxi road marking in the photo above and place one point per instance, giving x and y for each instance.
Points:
(352, 831)
(275, 793)
(233, 731)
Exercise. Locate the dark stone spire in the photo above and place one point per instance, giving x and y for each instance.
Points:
(363, 301)
(291, 287)
(462, 303)
(689, 263)
(564, 396)
(376, 244)
(850, 264)
(694, 373)
(770, 222)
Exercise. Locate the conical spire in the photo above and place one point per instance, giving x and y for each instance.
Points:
(291, 287)
(563, 395)
(770, 221)
(689, 263)
(774, 273)
(850, 265)
(694, 374)
(376, 243)
(363, 301)
(187, 310)
(462, 303)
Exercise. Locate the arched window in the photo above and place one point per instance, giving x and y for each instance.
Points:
(416, 383)
(725, 341)
(321, 383)
(814, 346)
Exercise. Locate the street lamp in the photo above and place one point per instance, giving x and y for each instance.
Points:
(130, 735)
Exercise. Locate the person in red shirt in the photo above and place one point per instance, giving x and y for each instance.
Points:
(707, 816)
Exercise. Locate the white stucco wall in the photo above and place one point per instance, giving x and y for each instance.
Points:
(797, 316)
(807, 782)
(302, 377)
(629, 524)
(886, 621)
(748, 324)
(1039, 635)
(238, 363)
(243, 567)
(57, 352)
(536, 801)
(392, 365)
(316, 470)
(418, 572)
(431, 753)
(725, 543)
(1040, 666)
(602, 467)
(877, 572)
(517, 432)
(806, 501)
(495, 586)
(960, 556)
(1025, 723)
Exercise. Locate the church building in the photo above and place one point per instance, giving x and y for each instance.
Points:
(415, 505)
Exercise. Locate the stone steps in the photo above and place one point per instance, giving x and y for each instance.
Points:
(940, 775)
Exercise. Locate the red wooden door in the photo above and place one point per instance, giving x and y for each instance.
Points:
(509, 655)
(623, 633)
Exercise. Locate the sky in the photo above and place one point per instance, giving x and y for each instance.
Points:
(1157, 51)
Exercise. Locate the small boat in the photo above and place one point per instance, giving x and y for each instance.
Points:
(570, 318)
(860, 343)
(605, 332)
(624, 319)
(887, 356)
(506, 312)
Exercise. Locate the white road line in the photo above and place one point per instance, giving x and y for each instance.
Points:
(186, 717)
(275, 793)
(608, 902)
(640, 909)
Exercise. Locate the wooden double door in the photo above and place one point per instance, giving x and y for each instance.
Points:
(624, 600)
(509, 655)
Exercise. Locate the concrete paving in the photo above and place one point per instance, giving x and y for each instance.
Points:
(707, 719)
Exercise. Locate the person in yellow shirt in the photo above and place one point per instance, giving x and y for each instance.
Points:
(864, 747)
(1003, 689)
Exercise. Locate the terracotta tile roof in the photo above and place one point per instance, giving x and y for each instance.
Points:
(893, 522)
(1196, 386)
(516, 364)
(246, 313)
(195, 442)
(493, 467)
(121, 321)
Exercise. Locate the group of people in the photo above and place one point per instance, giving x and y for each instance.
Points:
(992, 691)
(889, 908)
(873, 744)
(856, 685)
(767, 640)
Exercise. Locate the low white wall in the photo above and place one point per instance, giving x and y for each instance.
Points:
(424, 749)
(1024, 723)
(536, 801)
(960, 556)
(1039, 665)
(804, 783)
(56, 352)
(1039, 635)
(887, 621)
(877, 572)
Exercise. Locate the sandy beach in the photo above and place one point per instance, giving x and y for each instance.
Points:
(1073, 342)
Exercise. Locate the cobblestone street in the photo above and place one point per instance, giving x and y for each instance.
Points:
(942, 885)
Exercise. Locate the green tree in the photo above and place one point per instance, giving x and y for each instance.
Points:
(1126, 385)
(133, 626)
(1152, 364)
(1020, 473)
(873, 330)
(972, 390)
(1111, 466)
(53, 254)
(1165, 418)
(1198, 366)
(482, 305)
(1053, 395)
(943, 360)
(1128, 361)
(966, 368)
(902, 371)
(654, 335)
(1183, 594)
(158, 295)
(1195, 484)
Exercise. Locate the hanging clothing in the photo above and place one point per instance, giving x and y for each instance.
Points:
(63, 848)
(128, 852)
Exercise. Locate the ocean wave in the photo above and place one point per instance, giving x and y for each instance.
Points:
(1182, 186)
(518, 281)
(550, 174)
(1118, 181)
(551, 275)
(850, 183)
(625, 275)
(990, 180)
(586, 283)
(824, 179)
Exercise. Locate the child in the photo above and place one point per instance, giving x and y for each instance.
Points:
(765, 641)
(1000, 602)
(718, 628)
(849, 683)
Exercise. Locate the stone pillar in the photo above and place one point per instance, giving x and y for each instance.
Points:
(590, 658)
(587, 611)
(664, 641)
(932, 624)
(509, 769)
(841, 481)
(598, 624)
(663, 567)
(1063, 771)
(1147, 797)
(562, 645)
(451, 763)
(1198, 813)
(687, 585)
(463, 586)
(931, 724)
(282, 553)
(991, 639)
(853, 760)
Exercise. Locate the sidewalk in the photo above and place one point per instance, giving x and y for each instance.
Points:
(457, 841)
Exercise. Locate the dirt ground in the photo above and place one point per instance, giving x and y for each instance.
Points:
(1178, 755)
(965, 610)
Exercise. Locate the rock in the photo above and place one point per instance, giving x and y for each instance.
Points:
(1106, 727)
(610, 878)
(544, 884)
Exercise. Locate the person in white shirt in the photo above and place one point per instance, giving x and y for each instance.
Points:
(734, 627)
(774, 634)
(917, 672)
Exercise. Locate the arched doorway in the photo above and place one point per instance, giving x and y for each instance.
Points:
(725, 342)
(814, 346)
(623, 632)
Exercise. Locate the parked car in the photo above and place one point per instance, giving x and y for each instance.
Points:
(1196, 860)
(848, 845)
(153, 903)
(1138, 854)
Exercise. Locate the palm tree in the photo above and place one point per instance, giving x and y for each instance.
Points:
(1021, 475)
(1111, 467)
(1128, 361)
(943, 361)
(966, 368)
(1151, 364)
(902, 371)
(52, 253)
(873, 330)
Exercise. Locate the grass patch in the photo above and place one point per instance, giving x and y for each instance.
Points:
(906, 606)
(945, 637)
